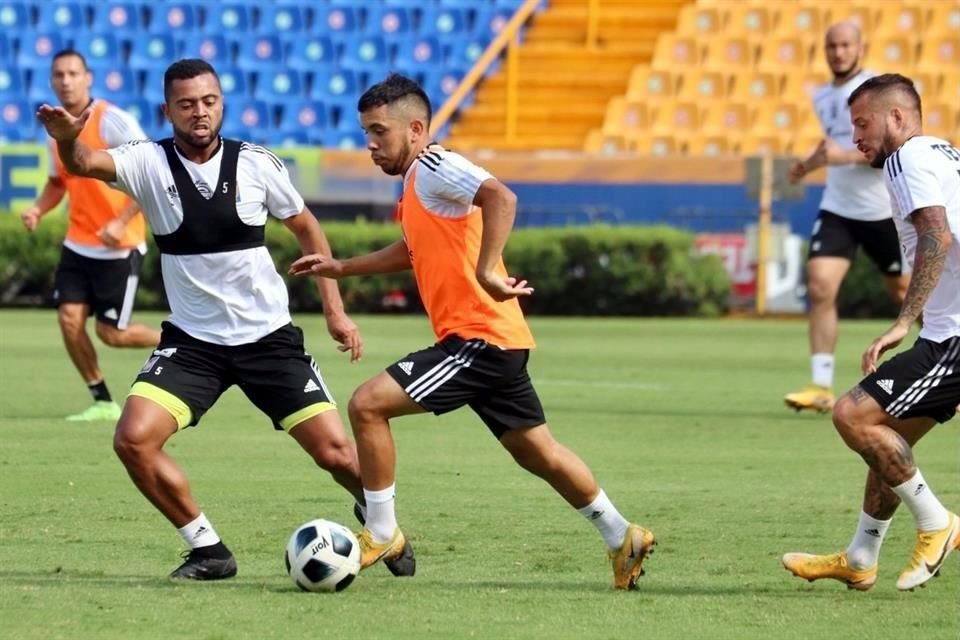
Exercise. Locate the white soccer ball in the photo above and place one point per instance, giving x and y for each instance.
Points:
(322, 556)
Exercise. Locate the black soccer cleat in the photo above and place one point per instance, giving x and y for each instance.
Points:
(403, 565)
(199, 566)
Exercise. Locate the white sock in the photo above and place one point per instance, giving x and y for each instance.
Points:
(199, 533)
(864, 549)
(927, 511)
(604, 516)
(381, 518)
(821, 369)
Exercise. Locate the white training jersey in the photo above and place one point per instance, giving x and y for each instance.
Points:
(853, 190)
(117, 127)
(450, 188)
(925, 172)
(227, 298)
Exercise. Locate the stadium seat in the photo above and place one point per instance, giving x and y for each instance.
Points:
(251, 114)
(177, 17)
(652, 85)
(365, 53)
(115, 83)
(704, 86)
(804, 142)
(751, 86)
(210, 47)
(151, 50)
(623, 116)
(260, 53)
(233, 82)
(335, 19)
(800, 87)
(17, 115)
(950, 89)
(440, 83)
(417, 55)
(777, 118)
(392, 23)
(800, 20)
(725, 118)
(444, 22)
(38, 47)
(944, 19)
(6, 51)
(98, 48)
(490, 22)
(466, 50)
(281, 19)
(862, 14)
(728, 54)
(746, 21)
(310, 52)
(940, 119)
(896, 20)
(279, 85)
(13, 82)
(14, 17)
(709, 146)
(674, 52)
(228, 20)
(895, 53)
(346, 140)
(121, 18)
(38, 88)
(939, 53)
(70, 17)
(927, 84)
(597, 142)
(762, 143)
(785, 53)
(698, 21)
(674, 117)
(335, 86)
(659, 144)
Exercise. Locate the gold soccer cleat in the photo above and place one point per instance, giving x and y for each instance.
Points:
(833, 566)
(929, 554)
(627, 561)
(812, 397)
(372, 552)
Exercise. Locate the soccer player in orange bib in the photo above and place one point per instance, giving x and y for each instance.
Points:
(456, 218)
(106, 239)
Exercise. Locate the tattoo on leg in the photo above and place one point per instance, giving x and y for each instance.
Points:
(891, 460)
(857, 394)
(878, 500)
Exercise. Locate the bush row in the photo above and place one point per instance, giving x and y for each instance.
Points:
(575, 270)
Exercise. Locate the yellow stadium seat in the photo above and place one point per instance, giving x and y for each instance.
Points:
(801, 20)
(651, 84)
(704, 86)
(939, 53)
(728, 54)
(623, 115)
(802, 144)
(889, 55)
(785, 54)
(675, 117)
(745, 20)
(863, 15)
(939, 119)
(699, 21)
(761, 143)
(944, 18)
(709, 145)
(726, 117)
(597, 142)
(778, 118)
(662, 144)
(800, 87)
(927, 84)
(755, 85)
(674, 52)
(898, 20)
(950, 88)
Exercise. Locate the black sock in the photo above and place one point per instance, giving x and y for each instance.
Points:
(100, 392)
(218, 550)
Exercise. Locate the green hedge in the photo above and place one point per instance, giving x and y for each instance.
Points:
(575, 270)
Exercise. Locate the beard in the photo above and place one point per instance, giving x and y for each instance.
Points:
(879, 160)
(199, 142)
(844, 74)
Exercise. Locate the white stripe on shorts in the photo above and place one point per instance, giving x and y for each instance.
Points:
(443, 371)
(129, 295)
(931, 379)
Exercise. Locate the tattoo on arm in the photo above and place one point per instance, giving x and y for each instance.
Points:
(933, 242)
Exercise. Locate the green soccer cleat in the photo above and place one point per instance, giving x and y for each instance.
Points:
(99, 411)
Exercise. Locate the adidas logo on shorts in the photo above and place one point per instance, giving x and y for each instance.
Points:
(311, 386)
(886, 385)
(406, 366)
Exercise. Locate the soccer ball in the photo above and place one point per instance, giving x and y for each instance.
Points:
(322, 556)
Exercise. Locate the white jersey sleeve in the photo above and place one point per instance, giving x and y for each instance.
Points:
(447, 183)
(280, 197)
(136, 162)
(52, 171)
(913, 179)
(118, 127)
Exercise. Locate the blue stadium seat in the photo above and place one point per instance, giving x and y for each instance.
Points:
(440, 83)
(280, 19)
(310, 52)
(13, 81)
(6, 50)
(465, 51)
(444, 22)
(339, 139)
(122, 18)
(281, 138)
(278, 85)
(310, 117)
(98, 48)
(240, 115)
(174, 16)
(146, 113)
(213, 48)
(14, 17)
(152, 85)
(157, 49)
(490, 22)
(264, 52)
(365, 53)
(37, 48)
(228, 19)
(416, 55)
(234, 83)
(335, 18)
(334, 85)
(391, 23)
(70, 16)
(115, 83)
(38, 88)
(17, 118)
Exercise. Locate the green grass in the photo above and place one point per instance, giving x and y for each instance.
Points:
(681, 420)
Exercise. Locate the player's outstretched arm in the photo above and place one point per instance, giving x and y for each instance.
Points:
(78, 158)
(314, 241)
(52, 194)
(499, 208)
(392, 258)
(933, 243)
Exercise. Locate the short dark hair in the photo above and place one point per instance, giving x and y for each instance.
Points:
(394, 87)
(66, 53)
(184, 70)
(888, 82)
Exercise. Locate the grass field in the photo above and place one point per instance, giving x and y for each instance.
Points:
(681, 420)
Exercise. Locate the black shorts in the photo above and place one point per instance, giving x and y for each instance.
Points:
(838, 237)
(457, 372)
(108, 286)
(275, 373)
(923, 381)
